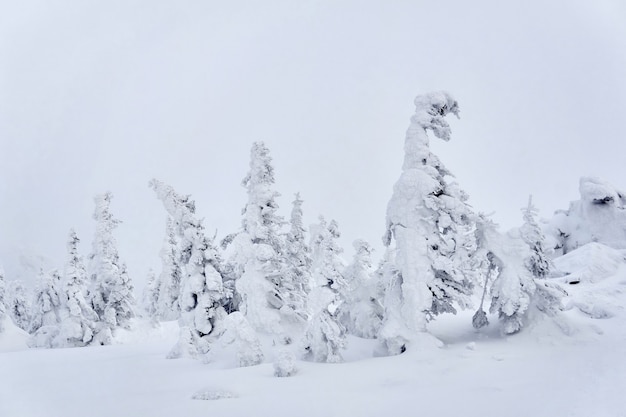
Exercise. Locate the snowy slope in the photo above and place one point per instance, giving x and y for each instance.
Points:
(572, 367)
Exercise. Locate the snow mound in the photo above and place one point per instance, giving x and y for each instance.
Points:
(598, 277)
(12, 338)
(590, 263)
(213, 394)
(599, 216)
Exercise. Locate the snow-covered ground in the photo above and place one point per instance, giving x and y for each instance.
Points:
(572, 366)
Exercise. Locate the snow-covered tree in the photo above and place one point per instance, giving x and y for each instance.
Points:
(150, 297)
(325, 336)
(77, 318)
(168, 283)
(538, 263)
(244, 337)
(429, 231)
(111, 292)
(296, 278)
(548, 295)
(202, 294)
(364, 312)
(46, 306)
(256, 262)
(18, 304)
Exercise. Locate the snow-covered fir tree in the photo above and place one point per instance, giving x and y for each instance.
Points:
(548, 295)
(297, 274)
(538, 263)
(18, 304)
(325, 336)
(111, 292)
(150, 297)
(78, 320)
(364, 312)
(202, 294)
(257, 262)
(168, 283)
(46, 306)
(429, 232)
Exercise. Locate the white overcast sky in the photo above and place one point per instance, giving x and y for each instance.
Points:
(104, 95)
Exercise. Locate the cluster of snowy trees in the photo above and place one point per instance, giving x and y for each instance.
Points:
(81, 305)
(276, 279)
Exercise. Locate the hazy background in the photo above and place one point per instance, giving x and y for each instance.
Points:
(98, 96)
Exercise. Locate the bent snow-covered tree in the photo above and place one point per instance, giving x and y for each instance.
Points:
(202, 294)
(429, 232)
(111, 292)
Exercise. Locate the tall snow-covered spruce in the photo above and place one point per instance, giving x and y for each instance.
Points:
(364, 312)
(111, 292)
(167, 285)
(429, 233)
(257, 262)
(78, 320)
(202, 294)
(297, 273)
(325, 336)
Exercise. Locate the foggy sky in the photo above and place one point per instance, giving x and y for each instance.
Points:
(98, 96)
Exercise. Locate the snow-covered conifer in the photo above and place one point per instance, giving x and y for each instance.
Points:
(257, 262)
(325, 336)
(285, 363)
(150, 297)
(364, 312)
(548, 295)
(168, 283)
(111, 292)
(45, 317)
(297, 274)
(538, 263)
(202, 291)
(18, 304)
(243, 336)
(78, 320)
(430, 227)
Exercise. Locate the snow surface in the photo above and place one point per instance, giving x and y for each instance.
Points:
(572, 366)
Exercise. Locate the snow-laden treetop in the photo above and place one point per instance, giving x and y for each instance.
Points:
(430, 112)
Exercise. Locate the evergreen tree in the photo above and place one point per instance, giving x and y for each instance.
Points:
(538, 263)
(77, 325)
(364, 312)
(257, 261)
(548, 295)
(150, 297)
(45, 317)
(111, 292)
(168, 284)
(325, 336)
(202, 292)
(18, 304)
(430, 226)
(297, 274)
